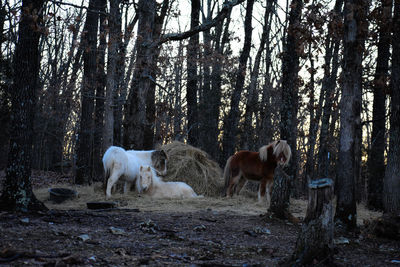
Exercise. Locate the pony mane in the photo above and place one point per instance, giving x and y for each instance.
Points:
(263, 152)
(156, 179)
(280, 146)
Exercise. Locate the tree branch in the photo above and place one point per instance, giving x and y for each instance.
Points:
(203, 27)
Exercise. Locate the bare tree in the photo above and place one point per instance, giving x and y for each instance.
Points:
(220, 42)
(232, 120)
(248, 138)
(289, 108)
(122, 78)
(135, 111)
(17, 192)
(192, 83)
(391, 188)
(290, 83)
(376, 158)
(149, 132)
(97, 171)
(111, 87)
(350, 104)
(331, 66)
(85, 136)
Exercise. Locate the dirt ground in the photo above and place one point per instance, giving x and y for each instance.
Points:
(196, 232)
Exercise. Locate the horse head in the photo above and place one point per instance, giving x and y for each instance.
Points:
(282, 152)
(159, 161)
(145, 179)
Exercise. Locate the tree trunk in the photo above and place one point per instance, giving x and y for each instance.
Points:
(232, 120)
(192, 79)
(208, 97)
(122, 79)
(280, 195)
(149, 132)
(376, 161)
(350, 107)
(265, 128)
(391, 187)
(290, 84)
(97, 171)
(17, 192)
(111, 87)
(331, 66)
(216, 82)
(136, 110)
(315, 241)
(328, 89)
(85, 137)
(288, 124)
(248, 138)
(314, 121)
(177, 112)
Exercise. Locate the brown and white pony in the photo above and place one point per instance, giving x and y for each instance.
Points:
(255, 166)
(124, 164)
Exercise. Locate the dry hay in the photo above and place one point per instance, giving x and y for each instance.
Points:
(241, 204)
(194, 167)
(133, 200)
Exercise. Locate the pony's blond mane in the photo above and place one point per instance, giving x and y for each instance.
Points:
(263, 151)
(279, 147)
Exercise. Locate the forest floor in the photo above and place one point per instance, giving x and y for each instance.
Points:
(142, 231)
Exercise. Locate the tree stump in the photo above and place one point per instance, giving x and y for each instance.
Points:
(315, 241)
(280, 195)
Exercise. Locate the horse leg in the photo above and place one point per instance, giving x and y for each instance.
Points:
(262, 189)
(111, 181)
(269, 191)
(126, 187)
(232, 182)
(241, 183)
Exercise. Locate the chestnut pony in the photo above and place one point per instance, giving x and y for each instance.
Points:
(255, 166)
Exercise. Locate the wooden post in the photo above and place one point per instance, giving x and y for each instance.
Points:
(315, 241)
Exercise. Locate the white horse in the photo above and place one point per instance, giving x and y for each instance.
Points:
(150, 184)
(124, 164)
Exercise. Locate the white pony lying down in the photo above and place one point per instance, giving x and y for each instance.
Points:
(124, 164)
(151, 185)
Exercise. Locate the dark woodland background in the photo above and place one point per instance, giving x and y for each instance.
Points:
(77, 77)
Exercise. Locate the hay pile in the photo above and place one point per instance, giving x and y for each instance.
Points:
(194, 167)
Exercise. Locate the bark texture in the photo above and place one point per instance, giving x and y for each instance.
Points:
(315, 241)
(350, 107)
(376, 158)
(136, 119)
(391, 189)
(17, 192)
(192, 79)
(289, 108)
(84, 162)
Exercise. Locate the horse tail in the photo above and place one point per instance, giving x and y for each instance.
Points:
(227, 175)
